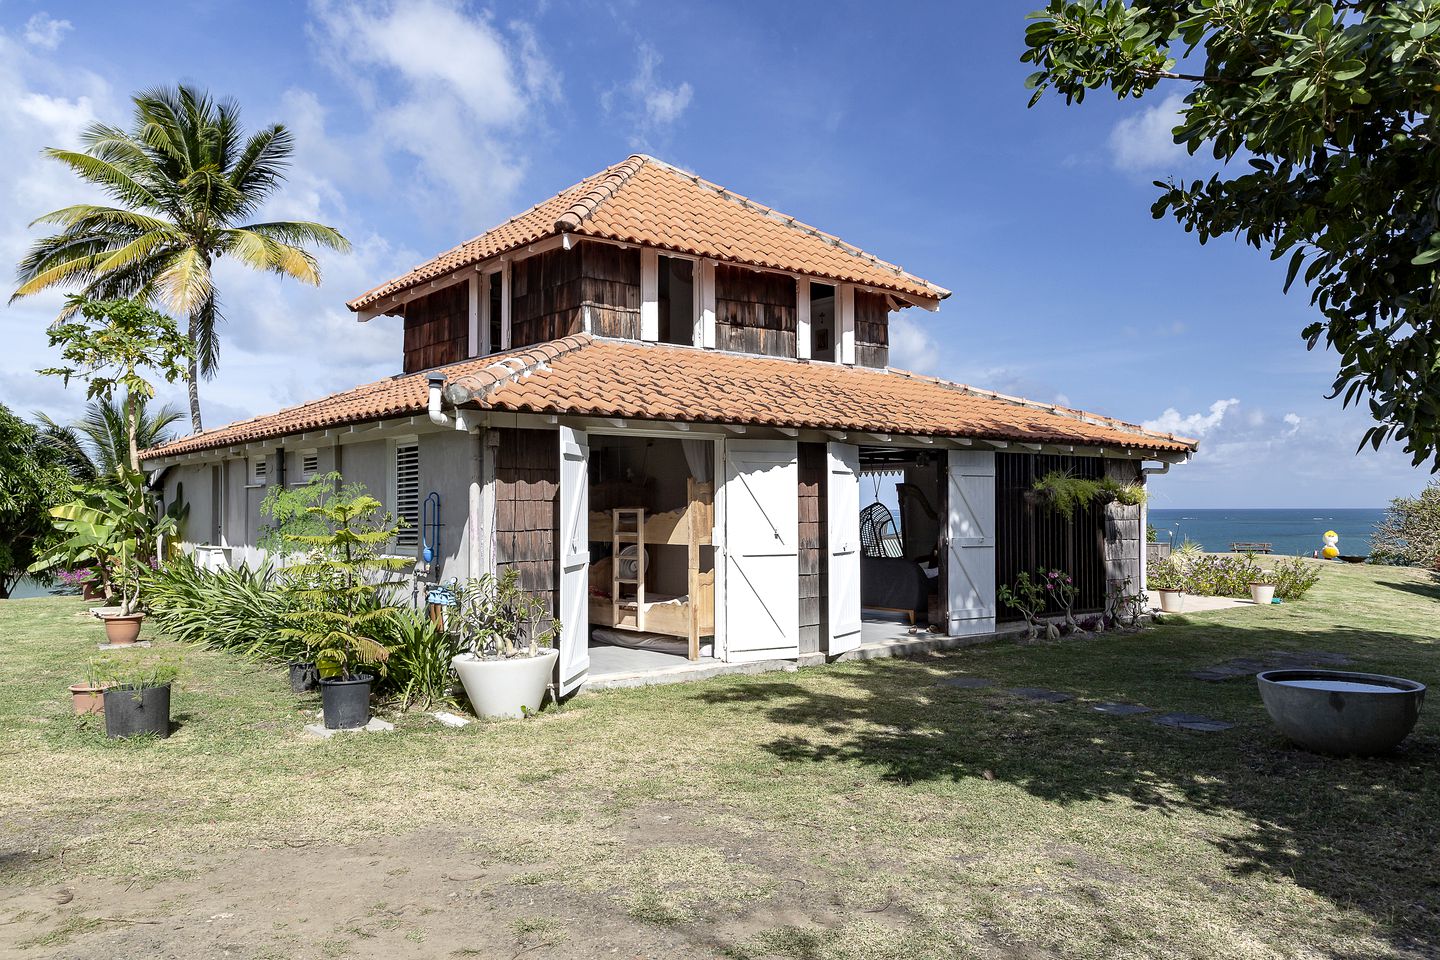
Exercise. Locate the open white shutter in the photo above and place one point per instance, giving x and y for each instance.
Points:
(762, 559)
(970, 556)
(574, 559)
(842, 533)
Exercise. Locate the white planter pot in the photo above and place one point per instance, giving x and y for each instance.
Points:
(505, 688)
(1172, 601)
(1262, 593)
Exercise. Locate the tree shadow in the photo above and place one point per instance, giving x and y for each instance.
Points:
(1353, 830)
(1430, 591)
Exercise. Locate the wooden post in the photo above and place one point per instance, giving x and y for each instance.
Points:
(692, 546)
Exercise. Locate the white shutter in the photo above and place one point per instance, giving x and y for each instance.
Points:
(842, 533)
(407, 493)
(762, 559)
(970, 533)
(574, 559)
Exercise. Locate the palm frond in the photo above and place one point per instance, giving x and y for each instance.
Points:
(185, 282)
(89, 216)
(302, 232)
(114, 180)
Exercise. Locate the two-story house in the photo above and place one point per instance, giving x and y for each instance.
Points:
(664, 404)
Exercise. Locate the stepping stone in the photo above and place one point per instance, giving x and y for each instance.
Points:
(143, 644)
(1191, 721)
(1122, 709)
(452, 720)
(1040, 693)
(322, 732)
(967, 683)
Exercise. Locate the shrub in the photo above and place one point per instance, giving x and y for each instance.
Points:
(1409, 533)
(1214, 575)
(1027, 597)
(1165, 575)
(288, 509)
(1294, 578)
(242, 611)
(418, 670)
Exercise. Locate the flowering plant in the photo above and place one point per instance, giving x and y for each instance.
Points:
(75, 578)
(1061, 586)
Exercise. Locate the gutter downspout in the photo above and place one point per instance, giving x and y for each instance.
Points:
(1145, 474)
(437, 414)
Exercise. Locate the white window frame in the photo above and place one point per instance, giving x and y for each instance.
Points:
(302, 475)
(258, 470)
(702, 294)
(409, 537)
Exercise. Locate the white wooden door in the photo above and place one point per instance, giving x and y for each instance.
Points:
(574, 559)
(970, 533)
(762, 561)
(842, 533)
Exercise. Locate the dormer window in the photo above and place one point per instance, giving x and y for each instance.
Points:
(822, 322)
(678, 300)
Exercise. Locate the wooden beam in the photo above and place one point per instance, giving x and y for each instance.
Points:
(789, 431)
(734, 428)
(1031, 446)
(835, 434)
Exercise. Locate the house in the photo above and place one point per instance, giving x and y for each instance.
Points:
(657, 400)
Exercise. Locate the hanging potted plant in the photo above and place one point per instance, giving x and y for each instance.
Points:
(510, 638)
(343, 587)
(137, 701)
(1165, 578)
(1262, 587)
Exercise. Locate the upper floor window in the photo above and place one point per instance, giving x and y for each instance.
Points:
(494, 310)
(822, 322)
(678, 298)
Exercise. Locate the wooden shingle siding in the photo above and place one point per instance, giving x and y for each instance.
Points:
(872, 329)
(437, 328)
(1030, 536)
(611, 289)
(545, 292)
(527, 505)
(754, 312)
(813, 470)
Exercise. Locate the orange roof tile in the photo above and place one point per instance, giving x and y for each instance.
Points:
(646, 201)
(586, 376)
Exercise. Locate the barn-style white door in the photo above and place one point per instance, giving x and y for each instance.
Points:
(842, 533)
(762, 562)
(574, 559)
(970, 556)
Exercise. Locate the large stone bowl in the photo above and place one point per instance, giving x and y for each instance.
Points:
(1331, 711)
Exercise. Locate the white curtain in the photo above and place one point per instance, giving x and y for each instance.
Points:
(700, 456)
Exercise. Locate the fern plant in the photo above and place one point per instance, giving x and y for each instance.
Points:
(344, 586)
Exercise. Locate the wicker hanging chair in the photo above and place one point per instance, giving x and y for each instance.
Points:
(879, 537)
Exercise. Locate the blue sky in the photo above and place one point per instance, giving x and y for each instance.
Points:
(422, 123)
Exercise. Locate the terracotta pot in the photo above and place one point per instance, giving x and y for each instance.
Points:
(88, 698)
(90, 590)
(121, 630)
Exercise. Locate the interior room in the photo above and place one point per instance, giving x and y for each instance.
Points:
(652, 558)
(901, 524)
(822, 322)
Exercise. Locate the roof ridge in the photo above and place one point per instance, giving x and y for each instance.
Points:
(585, 207)
(512, 368)
(786, 220)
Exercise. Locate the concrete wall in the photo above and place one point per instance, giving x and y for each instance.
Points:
(1124, 533)
(225, 506)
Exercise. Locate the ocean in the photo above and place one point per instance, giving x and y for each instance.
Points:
(1292, 532)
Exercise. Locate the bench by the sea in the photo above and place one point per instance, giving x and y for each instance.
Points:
(1246, 546)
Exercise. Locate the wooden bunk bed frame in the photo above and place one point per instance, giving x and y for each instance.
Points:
(689, 527)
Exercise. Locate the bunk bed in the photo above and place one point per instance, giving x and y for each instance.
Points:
(619, 598)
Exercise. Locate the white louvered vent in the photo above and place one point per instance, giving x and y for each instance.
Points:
(309, 464)
(407, 493)
(259, 470)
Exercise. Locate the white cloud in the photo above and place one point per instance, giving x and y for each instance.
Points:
(450, 96)
(1195, 425)
(1295, 423)
(647, 104)
(46, 32)
(911, 346)
(1146, 140)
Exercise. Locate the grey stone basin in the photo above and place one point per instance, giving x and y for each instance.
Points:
(1332, 711)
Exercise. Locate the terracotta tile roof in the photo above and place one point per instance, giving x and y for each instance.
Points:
(587, 376)
(646, 201)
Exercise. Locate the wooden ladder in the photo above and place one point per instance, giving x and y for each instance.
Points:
(627, 526)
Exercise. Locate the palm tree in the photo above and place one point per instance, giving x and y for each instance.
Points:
(184, 185)
(98, 444)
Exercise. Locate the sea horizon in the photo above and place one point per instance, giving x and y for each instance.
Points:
(1293, 531)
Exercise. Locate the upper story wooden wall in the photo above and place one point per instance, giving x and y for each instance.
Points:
(437, 328)
(754, 311)
(872, 329)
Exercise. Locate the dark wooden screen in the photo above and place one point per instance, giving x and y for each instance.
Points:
(1030, 536)
(813, 470)
(754, 312)
(437, 328)
(527, 509)
(545, 297)
(611, 289)
(872, 329)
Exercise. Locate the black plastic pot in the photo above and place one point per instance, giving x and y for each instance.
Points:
(130, 712)
(346, 702)
(303, 677)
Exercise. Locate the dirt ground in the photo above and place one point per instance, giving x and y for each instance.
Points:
(429, 893)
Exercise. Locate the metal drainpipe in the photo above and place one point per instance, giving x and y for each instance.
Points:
(437, 412)
(1145, 473)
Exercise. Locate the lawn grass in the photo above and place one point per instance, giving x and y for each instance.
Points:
(857, 810)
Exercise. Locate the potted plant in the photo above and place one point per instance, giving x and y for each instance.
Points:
(89, 695)
(1027, 597)
(343, 586)
(511, 656)
(1262, 587)
(1061, 588)
(137, 701)
(1166, 579)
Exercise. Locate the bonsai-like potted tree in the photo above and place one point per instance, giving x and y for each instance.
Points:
(510, 637)
(1028, 597)
(344, 588)
(1166, 579)
(137, 701)
(1262, 587)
